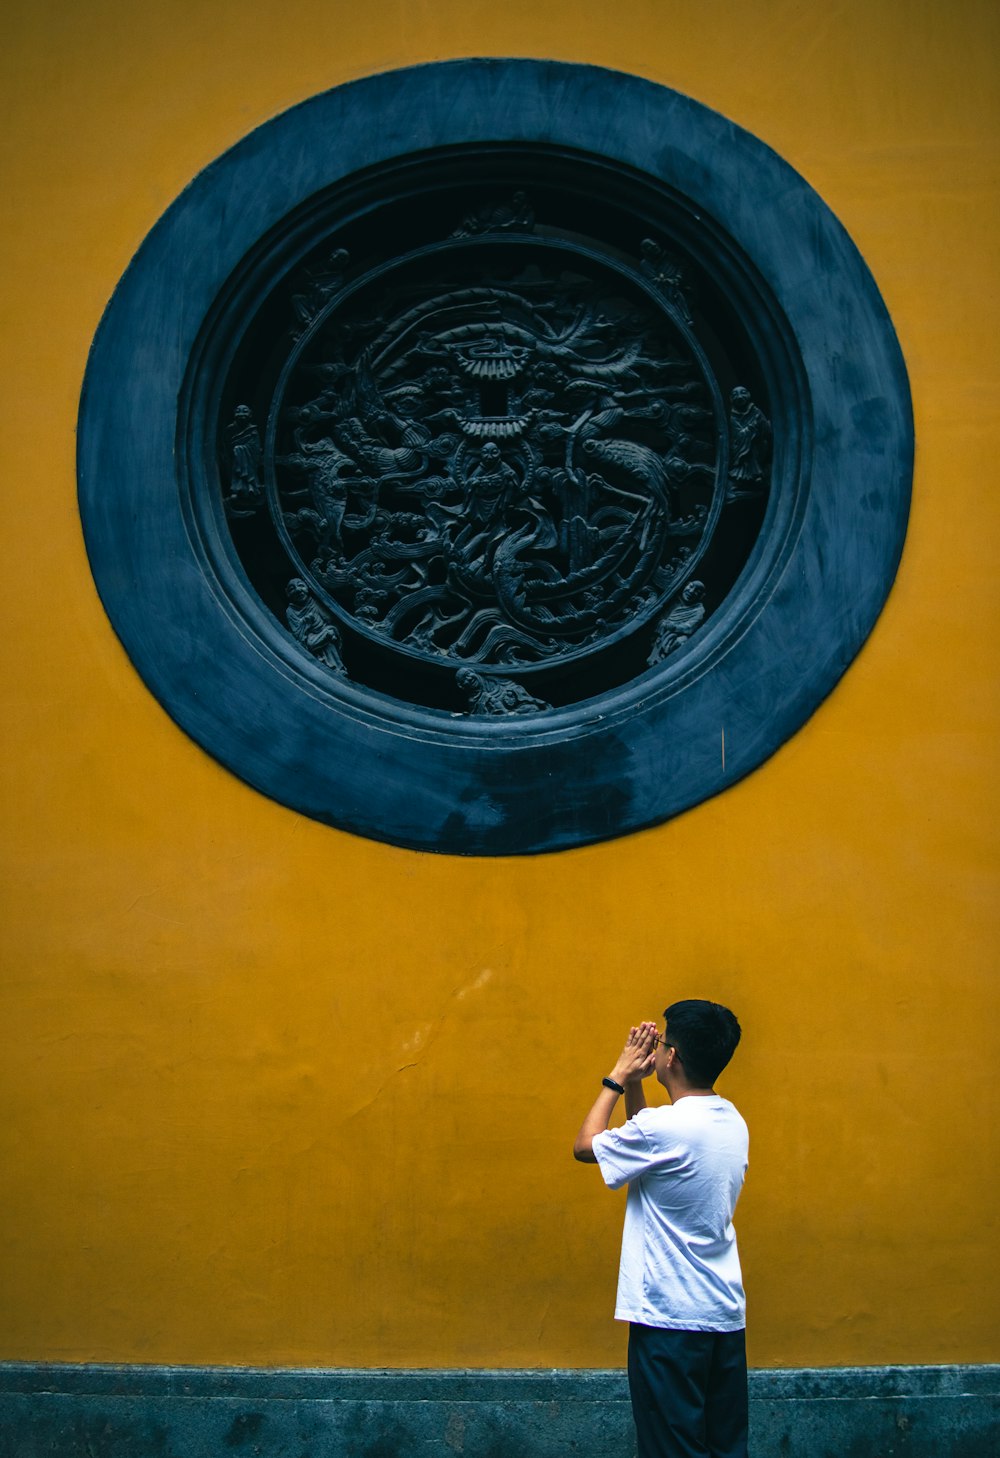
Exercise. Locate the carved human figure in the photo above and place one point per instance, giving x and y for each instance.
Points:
(492, 486)
(496, 696)
(311, 627)
(321, 283)
(749, 442)
(666, 274)
(676, 626)
(245, 485)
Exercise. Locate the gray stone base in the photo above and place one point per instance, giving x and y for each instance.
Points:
(96, 1411)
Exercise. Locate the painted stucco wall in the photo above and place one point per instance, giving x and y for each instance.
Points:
(273, 1094)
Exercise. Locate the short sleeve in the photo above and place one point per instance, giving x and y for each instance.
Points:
(623, 1153)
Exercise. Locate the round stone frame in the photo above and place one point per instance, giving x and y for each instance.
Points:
(233, 680)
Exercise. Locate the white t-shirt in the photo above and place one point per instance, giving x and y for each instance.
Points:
(684, 1164)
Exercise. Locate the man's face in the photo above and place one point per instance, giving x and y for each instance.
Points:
(663, 1055)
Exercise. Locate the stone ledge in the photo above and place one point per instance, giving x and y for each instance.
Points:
(108, 1411)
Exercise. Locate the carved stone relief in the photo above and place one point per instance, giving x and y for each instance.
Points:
(504, 494)
(506, 448)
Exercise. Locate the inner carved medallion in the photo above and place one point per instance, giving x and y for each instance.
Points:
(498, 472)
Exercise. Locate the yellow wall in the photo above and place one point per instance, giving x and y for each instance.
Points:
(277, 1095)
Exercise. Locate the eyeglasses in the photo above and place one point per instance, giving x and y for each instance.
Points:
(667, 1044)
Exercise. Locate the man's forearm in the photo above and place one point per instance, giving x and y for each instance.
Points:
(595, 1123)
(635, 1098)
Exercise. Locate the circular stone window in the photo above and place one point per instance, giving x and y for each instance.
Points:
(495, 456)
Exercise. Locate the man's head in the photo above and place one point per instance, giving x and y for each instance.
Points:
(705, 1035)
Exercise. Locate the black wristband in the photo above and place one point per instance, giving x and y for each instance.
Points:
(610, 1083)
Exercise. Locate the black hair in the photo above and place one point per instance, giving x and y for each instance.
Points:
(705, 1035)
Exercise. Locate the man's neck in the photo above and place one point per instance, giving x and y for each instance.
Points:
(680, 1089)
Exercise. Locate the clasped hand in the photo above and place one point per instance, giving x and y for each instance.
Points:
(636, 1060)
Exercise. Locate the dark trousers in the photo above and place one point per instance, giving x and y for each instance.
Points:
(689, 1392)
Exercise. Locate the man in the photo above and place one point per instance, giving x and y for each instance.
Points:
(679, 1285)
